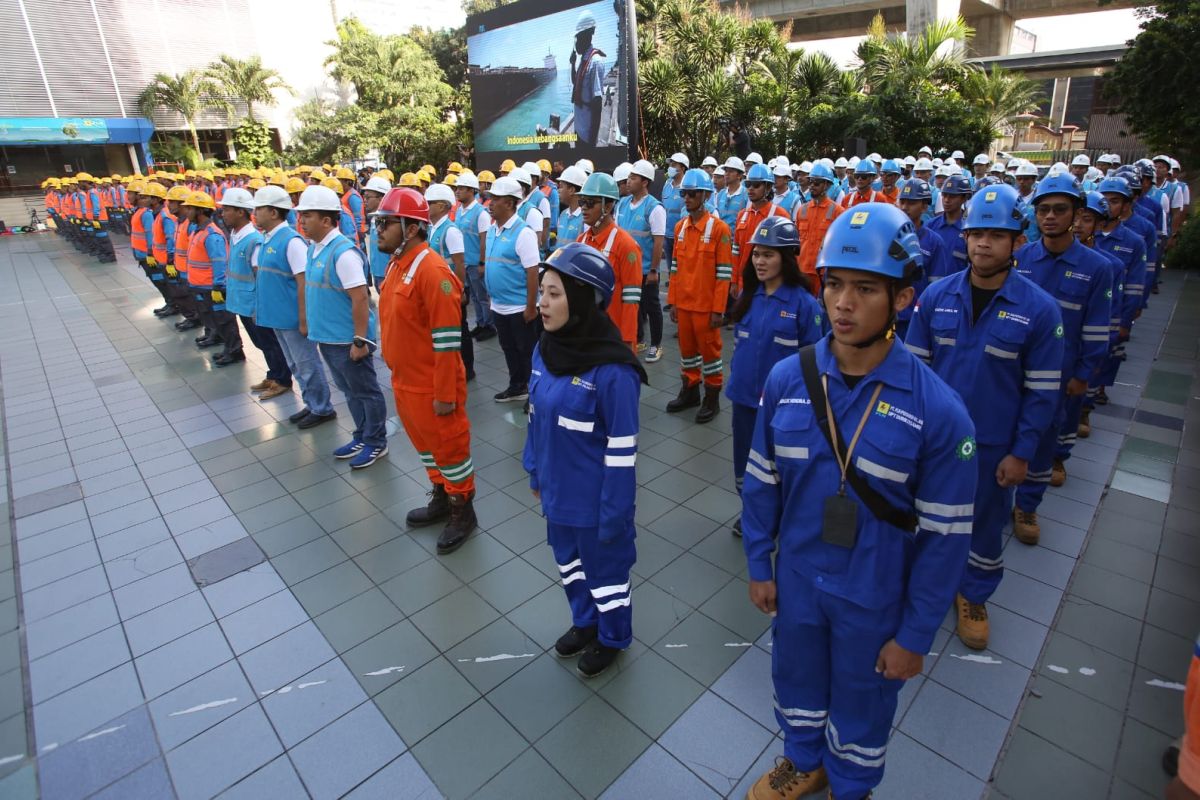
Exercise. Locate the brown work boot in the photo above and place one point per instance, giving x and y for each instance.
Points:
(972, 623)
(274, 390)
(1085, 424)
(261, 385)
(710, 406)
(462, 522)
(1058, 473)
(786, 783)
(689, 397)
(1026, 527)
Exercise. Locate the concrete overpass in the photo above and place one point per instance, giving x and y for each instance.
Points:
(992, 19)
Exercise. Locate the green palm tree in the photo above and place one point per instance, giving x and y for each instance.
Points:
(890, 61)
(1002, 95)
(187, 94)
(246, 80)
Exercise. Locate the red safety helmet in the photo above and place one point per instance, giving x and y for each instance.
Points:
(404, 202)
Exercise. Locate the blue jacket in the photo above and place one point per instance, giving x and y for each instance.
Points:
(916, 449)
(1117, 267)
(581, 446)
(938, 264)
(1144, 227)
(729, 206)
(1130, 249)
(774, 327)
(1080, 280)
(952, 236)
(1007, 366)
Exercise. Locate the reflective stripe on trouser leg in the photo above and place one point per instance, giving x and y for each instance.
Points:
(690, 359)
(603, 596)
(1068, 431)
(1033, 488)
(800, 660)
(993, 508)
(743, 435)
(444, 442)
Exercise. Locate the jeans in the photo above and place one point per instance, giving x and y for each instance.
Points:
(517, 338)
(358, 382)
(305, 364)
(266, 341)
(479, 297)
(468, 344)
(650, 309)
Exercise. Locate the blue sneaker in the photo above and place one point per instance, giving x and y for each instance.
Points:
(349, 450)
(368, 456)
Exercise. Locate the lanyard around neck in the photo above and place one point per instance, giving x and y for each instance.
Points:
(844, 463)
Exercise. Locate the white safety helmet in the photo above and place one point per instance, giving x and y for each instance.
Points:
(1081, 160)
(521, 177)
(506, 186)
(439, 192)
(910, 161)
(998, 168)
(681, 158)
(586, 165)
(622, 172)
(643, 168)
(532, 168)
(572, 175)
(923, 165)
(1013, 163)
(926, 149)
(853, 162)
(1059, 168)
(753, 158)
(466, 180)
(945, 171)
(937, 162)
(709, 161)
(238, 198)
(383, 185)
(271, 195)
(828, 162)
(806, 167)
(958, 155)
(733, 162)
(876, 158)
(950, 162)
(1163, 158)
(981, 159)
(782, 170)
(1093, 174)
(719, 171)
(1174, 164)
(841, 162)
(782, 160)
(1026, 169)
(585, 22)
(318, 198)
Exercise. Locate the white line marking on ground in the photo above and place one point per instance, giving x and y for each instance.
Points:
(500, 657)
(203, 707)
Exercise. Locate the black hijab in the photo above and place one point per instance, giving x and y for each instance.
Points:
(588, 339)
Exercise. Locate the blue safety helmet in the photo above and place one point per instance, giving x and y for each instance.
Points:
(873, 237)
(696, 178)
(1097, 204)
(776, 232)
(996, 207)
(916, 189)
(891, 166)
(820, 172)
(865, 167)
(1058, 184)
(956, 184)
(1116, 185)
(587, 265)
(1143, 170)
(986, 181)
(759, 173)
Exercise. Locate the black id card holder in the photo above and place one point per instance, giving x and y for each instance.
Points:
(840, 524)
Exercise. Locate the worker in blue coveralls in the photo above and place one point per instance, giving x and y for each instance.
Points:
(1089, 230)
(580, 451)
(996, 338)
(1080, 279)
(775, 314)
(914, 201)
(857, 555)
(948, 224)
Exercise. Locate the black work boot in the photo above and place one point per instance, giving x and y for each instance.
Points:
(596, 659)
(574, 641)
(462, 522)
(711, 405)
(689, 397)
(437, 510)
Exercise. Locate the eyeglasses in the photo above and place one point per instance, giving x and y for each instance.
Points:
(685, 193)
(759, 184)
(1045, 209)
(588, 202)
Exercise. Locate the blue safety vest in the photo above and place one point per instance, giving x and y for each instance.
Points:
(672, 202)
(329, 308)
(729, 206)
(635, 220)
(437, 239)
(774, 327)
(570, 227)
(503, 273)
(467, 221)
(1006, 366)
(581, 445)
(239, 275)
(276, 295)
(378, 260)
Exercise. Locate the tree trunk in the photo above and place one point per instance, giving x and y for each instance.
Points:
(195, 139)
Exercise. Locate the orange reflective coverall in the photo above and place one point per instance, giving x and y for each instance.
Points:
(625, 257)
(701, 267)
(744, 225)
(812, 220)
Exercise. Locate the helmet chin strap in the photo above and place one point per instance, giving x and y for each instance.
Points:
(1007, 266)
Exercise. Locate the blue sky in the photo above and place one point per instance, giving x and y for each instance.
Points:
(526, 44)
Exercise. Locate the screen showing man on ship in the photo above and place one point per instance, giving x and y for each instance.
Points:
(549, 82)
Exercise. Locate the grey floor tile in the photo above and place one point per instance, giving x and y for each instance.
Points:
(223, 755)
(1110, 590)
(148, 782)
(570, 746)
(77, 663)
(181, 660)
(1139, 758)
(484, 732)
(331, 588)
(747, 687)
(537, 697)
(243, 589)
(719, 761)
(1015, 637)
(705, 657)
(150, 592)
(1039, 563)
(346, 753)
(657, 773)
(911, 765)
(1102, 627)
(87, 707)
(997, 687)
(275, 781)
(76, 769)
(691, 579)
(651, 692)
(960, 730)
(262, 621)
(529, 773)
(312, 702)
(387, 560)
(66, 627)
(167, 623)
(54, 597)
(423, 701)
(1172, 612)
(388, 656)
(200, 704)
(1081, 726)
(278, 662)
(403, 779)
(453, 618)
(510, 585)
(308, 560)
(493, 654)
(1162, 651)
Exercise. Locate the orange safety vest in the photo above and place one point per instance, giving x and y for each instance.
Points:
(52, 202)
(182, 240)
(200, 271)
(812, 220)
(138, 238)
(158, 236)
(362, 228)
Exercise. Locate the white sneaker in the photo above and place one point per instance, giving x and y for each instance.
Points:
(653, 354)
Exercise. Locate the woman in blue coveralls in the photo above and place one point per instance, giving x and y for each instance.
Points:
(774, 316)
(580, 451)
(857, 556)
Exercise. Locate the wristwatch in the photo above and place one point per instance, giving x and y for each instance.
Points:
(361, 342)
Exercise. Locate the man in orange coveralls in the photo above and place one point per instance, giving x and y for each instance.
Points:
(701, 268)
(420, 315)
(599, 200)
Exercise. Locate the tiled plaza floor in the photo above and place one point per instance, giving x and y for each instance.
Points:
(330, 653)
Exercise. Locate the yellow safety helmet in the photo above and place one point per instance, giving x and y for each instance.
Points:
(200, 200)
(218, 173)
(155, 190)
(345, 174)
(116, 176)
(206, 174)
(317, 175)
(277, 179)
(409, 179)
(388, 174)
(84, 176)
(256, 183)
(429, 168)
(302, 169)
(544, 165)
(327, 167)
(508, 165)
(136, 186)
(486, 176)
(426, 177)
(295, 185)
(179, 193)
(451, 179)
(333, 184)
(190, 173)
(454, 167)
